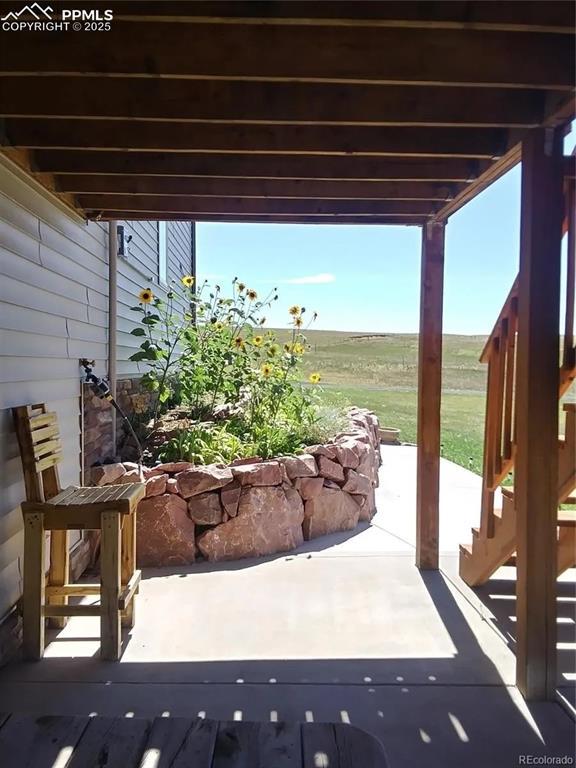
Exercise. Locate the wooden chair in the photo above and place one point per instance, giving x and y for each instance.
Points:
(110, 509)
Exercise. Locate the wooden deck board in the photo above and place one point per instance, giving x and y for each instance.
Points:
(166, 742)
(114, 742)
(39, 742)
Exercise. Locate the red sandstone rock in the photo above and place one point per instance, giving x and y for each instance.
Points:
(310, 487)
(333, 510)
(230, 496)
(300, 466)
(205, 508)
(269, 520)
(165, 533)
(151, 472)
(156, 485)
(356, 483)
(133, 476)
(249, 460)
(175, 466)
(330, 470)
(197, 480)
(171, 485)
(321, 450)
(346, 455)
(106, 474)
(265, 473)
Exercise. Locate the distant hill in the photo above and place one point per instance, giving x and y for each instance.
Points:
(390, 360)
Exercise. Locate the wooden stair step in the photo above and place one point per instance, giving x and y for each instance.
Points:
(466, 550)
(566, 518)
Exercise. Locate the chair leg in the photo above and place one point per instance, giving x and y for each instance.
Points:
(110, 586)
(34, 586)
(129, 565)
(58, 574)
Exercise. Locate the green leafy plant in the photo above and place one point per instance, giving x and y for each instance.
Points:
(163, 326)
(205, 350)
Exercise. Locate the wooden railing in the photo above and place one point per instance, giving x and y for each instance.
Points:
(499, 425)
(500, 355)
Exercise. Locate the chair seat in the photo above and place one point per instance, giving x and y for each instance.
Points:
(81, 507)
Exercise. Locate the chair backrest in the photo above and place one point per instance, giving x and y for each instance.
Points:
(40, 450)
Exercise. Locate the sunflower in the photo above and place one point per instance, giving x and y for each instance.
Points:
(252, 295)
(219, 327)
(187, 280)
(295, 310)
(273, 350)
(266, 370)
(146, 296)
(298, 322)
(241, 287)
(298, 348)
(258, 341)
(238, 342)
(314, 378)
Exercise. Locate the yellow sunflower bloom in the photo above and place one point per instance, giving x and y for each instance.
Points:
(298, 322)
(295, 310)
(187, 280)
(252, 295)
(266, 370)
(314, 378)
(298, 349)
(146, 296)
(238, 342)
(257, 341)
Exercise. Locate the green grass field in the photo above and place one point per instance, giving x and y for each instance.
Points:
(379, 372)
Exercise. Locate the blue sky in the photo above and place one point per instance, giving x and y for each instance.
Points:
(367, 278)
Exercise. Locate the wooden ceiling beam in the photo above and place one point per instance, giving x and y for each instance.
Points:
(250, 207)
(255, 188)
(367, 54)
(260, 167)
(506, 15)
(113, 215)
(280, 139)
(268, 103)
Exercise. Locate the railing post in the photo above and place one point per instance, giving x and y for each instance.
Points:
(536, 475)
(429, 396)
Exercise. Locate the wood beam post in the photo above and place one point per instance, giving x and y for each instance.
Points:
(429, 396)
(536, 471)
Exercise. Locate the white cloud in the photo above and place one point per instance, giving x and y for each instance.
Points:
(323, 277)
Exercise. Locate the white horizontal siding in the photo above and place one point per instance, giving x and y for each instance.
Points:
(135, 274)
(53, 307)
(54, 310)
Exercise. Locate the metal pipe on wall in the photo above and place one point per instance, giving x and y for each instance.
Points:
(112, 314)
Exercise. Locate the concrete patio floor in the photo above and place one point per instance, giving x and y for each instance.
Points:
(344, 629)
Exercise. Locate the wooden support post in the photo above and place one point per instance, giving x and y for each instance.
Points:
(34, 586)
(128, 564)
(110, 578)
(536, 471)
(429, 396)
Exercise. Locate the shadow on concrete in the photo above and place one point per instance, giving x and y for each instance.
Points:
(414, 706)
(499, 597)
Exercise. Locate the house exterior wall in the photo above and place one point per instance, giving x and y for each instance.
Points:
(53, 311)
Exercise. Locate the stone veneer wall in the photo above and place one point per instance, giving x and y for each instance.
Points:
(253, 507)
(98, 417)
